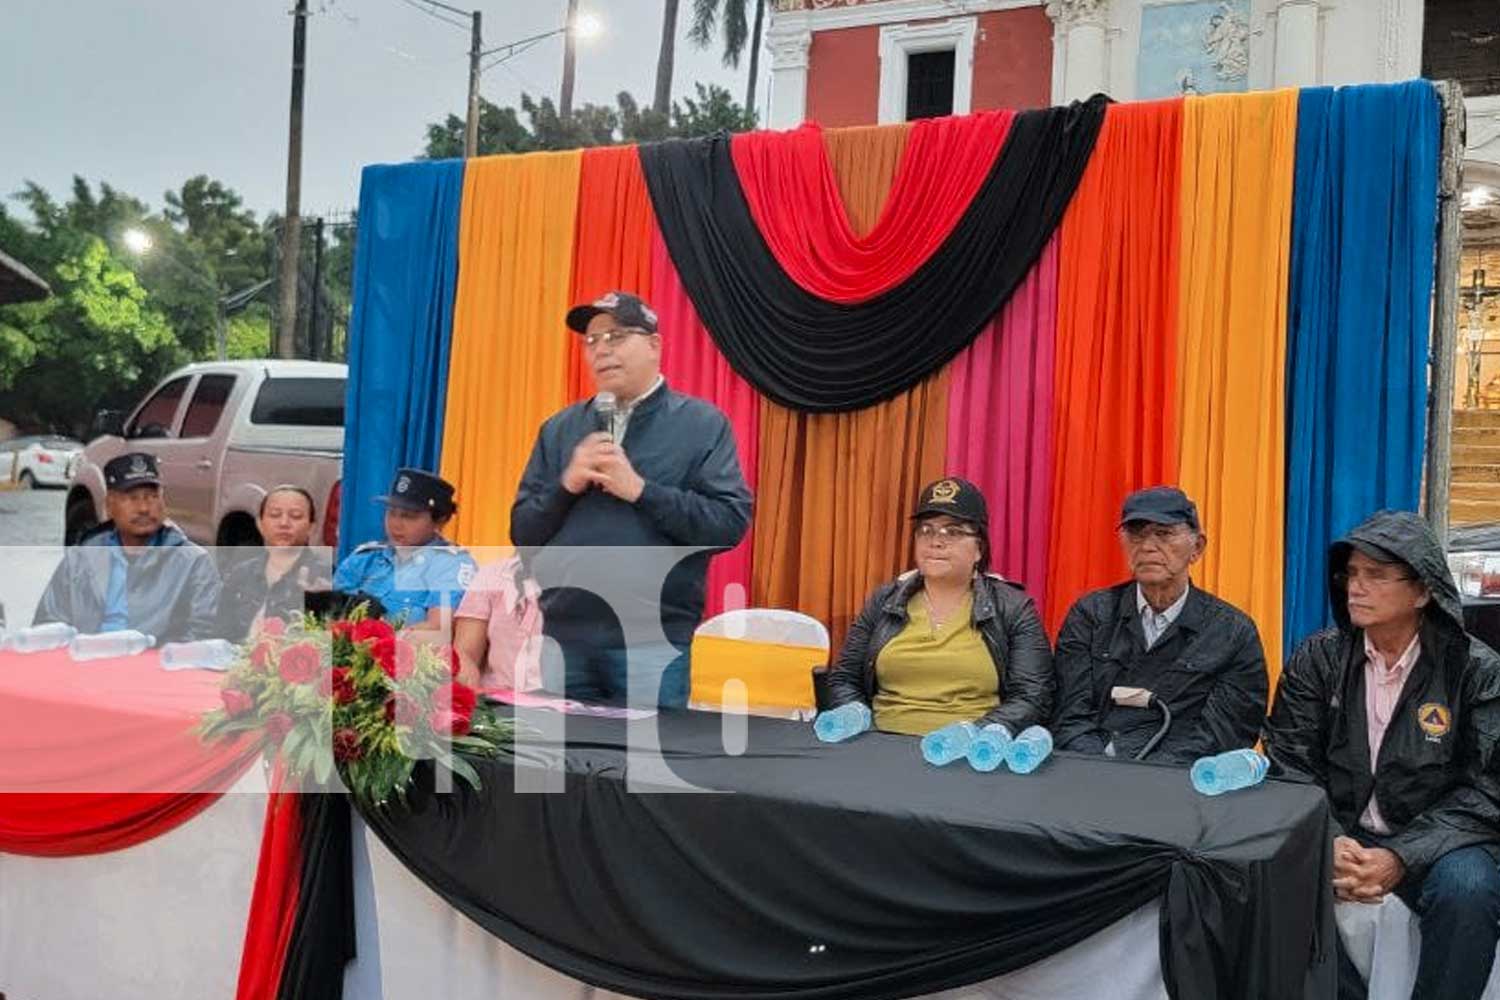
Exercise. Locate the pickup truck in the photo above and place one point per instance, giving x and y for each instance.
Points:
(223, 433)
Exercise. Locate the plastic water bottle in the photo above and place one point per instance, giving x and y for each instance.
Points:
(208, 654)
(839, 724)
(1028, 750)
(106, 645)
(988, 749)
(943, 746)
(1228, 771)
(39, 638)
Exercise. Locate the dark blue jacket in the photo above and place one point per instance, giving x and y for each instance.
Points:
(695, 495)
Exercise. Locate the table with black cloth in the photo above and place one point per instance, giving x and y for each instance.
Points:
(857, 870)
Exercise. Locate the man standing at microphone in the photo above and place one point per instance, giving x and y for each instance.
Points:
(637, 465)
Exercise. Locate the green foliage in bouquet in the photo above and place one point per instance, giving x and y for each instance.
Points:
(355, 695)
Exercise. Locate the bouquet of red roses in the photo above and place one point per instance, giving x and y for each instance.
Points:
(356, 695)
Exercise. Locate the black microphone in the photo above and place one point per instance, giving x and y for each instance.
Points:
(605, 407)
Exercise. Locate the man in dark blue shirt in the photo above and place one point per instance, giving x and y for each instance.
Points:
(637, 465)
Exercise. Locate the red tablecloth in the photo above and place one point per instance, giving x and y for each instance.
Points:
(101, 755)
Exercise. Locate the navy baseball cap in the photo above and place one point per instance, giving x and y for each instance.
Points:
(628, 310)
(1160, 505)
(132, 469)
(958, 498)
(415, 489)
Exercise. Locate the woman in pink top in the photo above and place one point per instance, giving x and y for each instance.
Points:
(497, 629)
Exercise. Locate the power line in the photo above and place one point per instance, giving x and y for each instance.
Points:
(431, 11)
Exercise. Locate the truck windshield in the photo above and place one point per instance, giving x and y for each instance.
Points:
(300, 402)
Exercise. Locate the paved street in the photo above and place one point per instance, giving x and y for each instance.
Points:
(31, 532)
(31, 517)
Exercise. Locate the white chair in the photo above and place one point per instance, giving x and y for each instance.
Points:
(758, 660)
(1383, 941)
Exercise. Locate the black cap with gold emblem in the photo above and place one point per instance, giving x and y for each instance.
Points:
(955, 497)
(132, 469)
(414, 489)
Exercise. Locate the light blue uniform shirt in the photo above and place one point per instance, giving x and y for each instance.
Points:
(429, 577)
(116, 604)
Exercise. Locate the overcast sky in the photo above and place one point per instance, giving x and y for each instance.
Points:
(146, 93)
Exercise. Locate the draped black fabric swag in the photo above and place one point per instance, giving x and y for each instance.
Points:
(857, 871)
(322, 941)
(811, 354)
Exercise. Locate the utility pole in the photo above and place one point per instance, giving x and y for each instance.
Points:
(291, 226)
(570, 57)
(314, 331)
(471, 123)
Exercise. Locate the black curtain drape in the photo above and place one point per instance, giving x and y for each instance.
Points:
(811, 354)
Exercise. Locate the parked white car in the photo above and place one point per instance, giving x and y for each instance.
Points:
(37, 460)
(223, 433)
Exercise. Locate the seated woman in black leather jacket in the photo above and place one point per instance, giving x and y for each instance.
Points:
(948, 641)
(270, 582)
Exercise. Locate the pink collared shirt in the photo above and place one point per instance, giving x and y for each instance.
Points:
(1383, 683)
(513, 621)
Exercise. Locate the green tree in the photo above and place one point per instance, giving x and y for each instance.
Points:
(713, 111)
(706, 19)
(97, 333)
(500, 131)
(593, 124)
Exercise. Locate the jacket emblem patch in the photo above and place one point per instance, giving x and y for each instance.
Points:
(1435, 719)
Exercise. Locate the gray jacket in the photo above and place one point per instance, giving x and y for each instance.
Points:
(171, 587)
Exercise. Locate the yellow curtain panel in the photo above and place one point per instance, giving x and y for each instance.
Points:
(509, 364)
(1237, 167)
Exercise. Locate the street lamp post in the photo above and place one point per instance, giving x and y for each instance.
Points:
(139, 242)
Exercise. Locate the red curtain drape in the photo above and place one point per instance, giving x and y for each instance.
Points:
(794, 195)
(1115, 424)
(273, 904)
(692, 364)
(612, 241)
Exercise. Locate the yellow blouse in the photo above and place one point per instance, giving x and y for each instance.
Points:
(926, 678)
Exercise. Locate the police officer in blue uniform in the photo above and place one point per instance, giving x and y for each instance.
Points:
(416, 572)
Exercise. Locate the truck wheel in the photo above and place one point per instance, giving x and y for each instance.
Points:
(27, 480)
(79, 519)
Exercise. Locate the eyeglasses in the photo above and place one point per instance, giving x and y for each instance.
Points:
(947, 532)
(1161, 534)
(609, 337)
(1379, 577)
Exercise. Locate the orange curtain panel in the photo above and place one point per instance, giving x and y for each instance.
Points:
(1115, 388)
(1237, 172)
(612, 241)
(509, 365)
(835, 489)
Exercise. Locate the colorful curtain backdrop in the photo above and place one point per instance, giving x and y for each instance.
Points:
(1164, 359)
(510, 346)
(1000, 424)
(1363, 219)
(1115, 383)
(405, 270)
(612, 241)
(818, 355)
(835, 488)
(793, 194)
(1238, 154)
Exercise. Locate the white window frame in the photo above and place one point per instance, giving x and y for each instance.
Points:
(898, 41)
